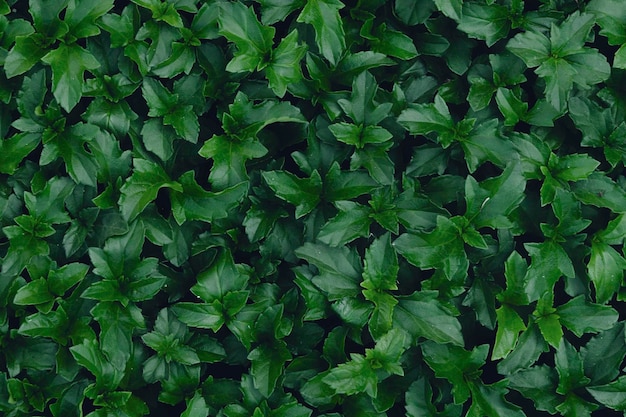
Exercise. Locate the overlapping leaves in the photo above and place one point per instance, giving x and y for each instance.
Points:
(296, 208)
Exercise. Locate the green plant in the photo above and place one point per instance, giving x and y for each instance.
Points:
(297, 208)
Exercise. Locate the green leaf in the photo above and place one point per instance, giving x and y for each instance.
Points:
(600, 191)
(611, 395)
(426, 118)
(532, 47)
(88, 355)
(340, 269)
(142, 187)
(194, 203)
(606, 270)
(324, 16)
(581, 317)
(196, 406)
(81, 16)
(268, 362)
(380, 265)
(229, 159)
(359, 136)
(459, 366)
(159, 99)
(26, 52)
(549, 263)
(64, 278)
(361, 107)
(491, 202)
(569, 366)
(353, 377)
(222, 277)
(510, 325)
(530, 345)
(611, 18)
(488, 22)
(419, 401)
(511, 106)
(69, 63)
(422, 315)
(451, 8)
(619, 60)
(341, 185)
(488, 400)
(240, 25)
(304, 193)
(443, 248)
(412, 12)
(116, 330)
(202, 316)
(603, 354)
(353, 221)
(14, 149)
(538, 383)
(284, 66)
(34, 293)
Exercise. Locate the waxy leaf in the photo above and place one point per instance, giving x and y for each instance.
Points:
(240, 25)
(142, 187)
(69, 63)
(422, 315)
(323, 15)
(606, 270)
(304, 193)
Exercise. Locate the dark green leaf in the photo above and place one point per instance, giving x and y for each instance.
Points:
(69, 63)
(194, 203)
(304, 193)
(422, 315)
(284, 67)
(455, 364)
(323, 15)
(267, 365)
(353, 221)
(240, 25)
(222, 277)
(142, 187)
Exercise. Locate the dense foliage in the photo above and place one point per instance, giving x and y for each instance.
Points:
(297, 208)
